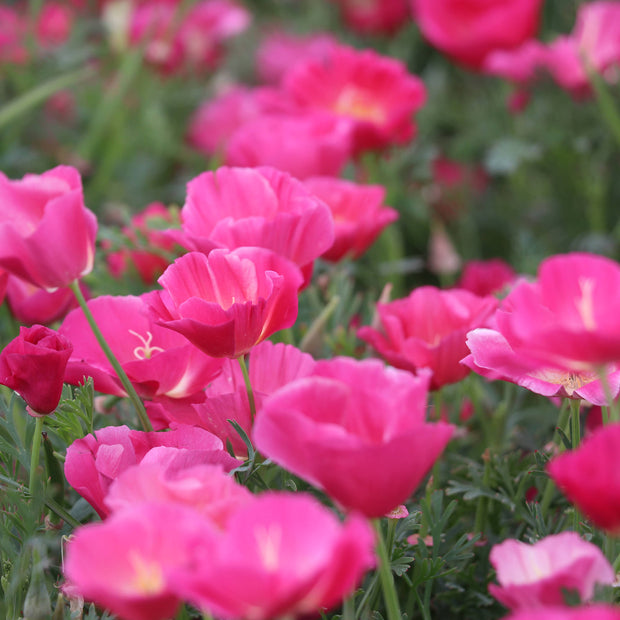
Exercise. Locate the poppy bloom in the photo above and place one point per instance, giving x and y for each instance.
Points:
(33, 364)
(374, 16)
(532, 576)
(229, 301)
(355, 429)
(588, 476)
(468, 30)
(427, 329)
(47, 235)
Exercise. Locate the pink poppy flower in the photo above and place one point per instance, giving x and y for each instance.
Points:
(519, 65)
(95, 461)
(47, 236)
(567, 318)
(468, 30)
(281, 555)
(588, 612)
(374, 94)
(33, 364)
(12, 36)
(588, 476)
(486, 277)
(280, 50)
(124, 564)
(271, 366)
(428, 329)
(374, 16)
(533, 576)
(263, 207)
(166, 476)
(229, 301)
(359, 213)
(157, 361)
(306, 144)
(30, 304)
(54, 24)
(355, 429)
(493, 358)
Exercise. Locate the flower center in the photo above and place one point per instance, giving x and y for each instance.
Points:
(269, 541)
(145, 351)
(148, 576)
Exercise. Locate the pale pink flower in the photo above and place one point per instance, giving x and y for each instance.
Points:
(533, 576)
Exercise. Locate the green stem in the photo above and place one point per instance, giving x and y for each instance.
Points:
(481, 504)
(318, 325)
(131, 392)
(387, 578)
(39, 94)
(34, 455)
(605, 101)
(575, 441)
(248, 387)
(62, 513)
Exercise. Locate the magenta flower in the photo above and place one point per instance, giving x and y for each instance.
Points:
(375, 16)
(281, 555)
(124, 564)
(263, 207)
(158, 362)
(589, 477)
(588, 612)
(359, 213)
(47, 236)
(355, 429)
(427, 329)
(468, 30)
(229, 301)
(95, 461)
(486, 277)
(374, 94)
(532, 576)
(33, 364)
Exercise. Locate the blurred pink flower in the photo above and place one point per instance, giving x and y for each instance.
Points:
(124, 564)
(281, 50)
(281, 556)
(359, 213)
(533, 576)
(158, 361)
(588, 476)
(375, 94)
(486, 277)
(428, 329)
(355, 429)
(262, 207)
(95, 461)
(47, 235)
(54, 24)
(12, 36)
(587, 612)
(229, 301)
(468, 30)
(374, 16)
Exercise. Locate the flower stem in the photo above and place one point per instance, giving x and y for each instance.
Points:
(387, 578)
(131, 392)
(248, 387)
(34, 455)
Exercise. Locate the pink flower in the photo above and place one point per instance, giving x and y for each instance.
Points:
(359, 214)
(588, 476)
(533, 576)
(47, 236)
(374, 16)
(166, 476)
(33, 364)
(280, 50)
(12, 36)
(229, 301)
(54, 24)
(281, 555)
(589, 612)
(124, 564)
(95, 461)
(305, 144)
(567, 318)
(157, 361)
(356, 430)
(30, 304)
(427, 329)
(271, 366)
(520, 65)
(374, 94)
(493, 358)
(486, 277)
(148, 245)
(263, 207)
(468, 30)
